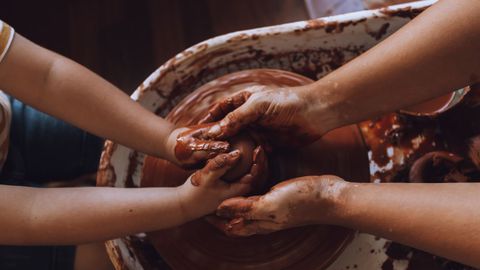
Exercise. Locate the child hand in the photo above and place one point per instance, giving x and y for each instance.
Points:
(188, 146)
(203, 191)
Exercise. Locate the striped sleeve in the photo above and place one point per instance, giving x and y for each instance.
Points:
(6, 37)
(5, 121)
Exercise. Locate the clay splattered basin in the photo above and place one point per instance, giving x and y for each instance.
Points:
(197, 245)
(310, 48)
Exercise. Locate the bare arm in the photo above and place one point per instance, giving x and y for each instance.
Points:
(67, 90)
(434, 54)
(45, 216)
(439, 218)
(79, 215)
(60, 87)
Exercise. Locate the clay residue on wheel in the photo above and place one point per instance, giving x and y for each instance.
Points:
(106, 172)
(409, 148)
(200, 245)
(309, 63)
(406, 12)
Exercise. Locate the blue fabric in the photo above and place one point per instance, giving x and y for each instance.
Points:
(37, 257)
(42, 149)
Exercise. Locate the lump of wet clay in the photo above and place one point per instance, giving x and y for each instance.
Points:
(246, 145)
(198, 244)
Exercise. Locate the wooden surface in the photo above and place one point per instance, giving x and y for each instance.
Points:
(124, 41)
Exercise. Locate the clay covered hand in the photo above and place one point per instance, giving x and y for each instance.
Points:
(188, 146)
(284, 113)
(296, 202)
(204, 191)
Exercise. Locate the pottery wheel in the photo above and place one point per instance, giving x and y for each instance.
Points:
(198, 245)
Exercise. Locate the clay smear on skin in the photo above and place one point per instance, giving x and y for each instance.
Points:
(322, 243)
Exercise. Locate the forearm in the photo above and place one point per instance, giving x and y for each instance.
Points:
(33, 216)
(65, 89)
(95, 105)
(439, 218)
(436, 53)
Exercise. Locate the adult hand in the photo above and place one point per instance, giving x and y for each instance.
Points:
(284, 112)
(296, 202)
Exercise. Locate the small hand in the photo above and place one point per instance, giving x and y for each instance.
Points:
(282, 111)
(204, 191)
(296, 202)
(189, 147)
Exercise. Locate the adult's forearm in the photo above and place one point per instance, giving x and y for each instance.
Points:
(67, 90)
(436, 53)
(439, 218)
(32, 216)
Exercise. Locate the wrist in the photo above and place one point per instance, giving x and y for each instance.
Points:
(345, 204)
(332, 196)
(323, 106)
(167, 143)
(187, 213)
(192, 203)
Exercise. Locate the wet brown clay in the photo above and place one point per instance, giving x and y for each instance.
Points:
(437, 166)
(245, 144)
(198, 245)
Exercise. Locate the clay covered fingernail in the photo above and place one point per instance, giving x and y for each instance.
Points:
(235, 153)
(236, 221)
(214, 130)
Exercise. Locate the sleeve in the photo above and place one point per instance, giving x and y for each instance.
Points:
(6, 37)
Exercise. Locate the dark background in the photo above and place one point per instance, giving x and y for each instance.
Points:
(126, 40)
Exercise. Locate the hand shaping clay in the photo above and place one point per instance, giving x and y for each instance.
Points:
(246, 145)
(198, 245)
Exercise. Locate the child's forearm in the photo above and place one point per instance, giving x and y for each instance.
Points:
(440, 218)
(65, 89)
(33, 216)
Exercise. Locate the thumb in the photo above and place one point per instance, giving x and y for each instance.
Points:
(233, 122)
(222, 108)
